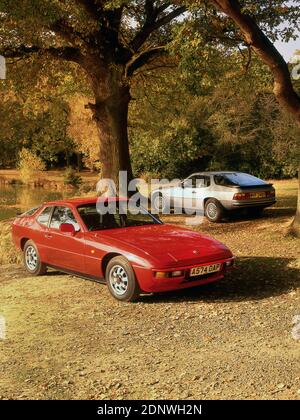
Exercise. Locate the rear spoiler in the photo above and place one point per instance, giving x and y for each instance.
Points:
(250, 186)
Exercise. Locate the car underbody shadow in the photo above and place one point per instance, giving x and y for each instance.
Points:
(270, 212)
(255, 278)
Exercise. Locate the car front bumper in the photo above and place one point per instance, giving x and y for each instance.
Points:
(150, 284)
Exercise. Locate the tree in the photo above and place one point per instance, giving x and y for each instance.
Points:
(210, 113)
(30, 166)
(83, 130)
(246, 17)
(259, 42)
(34, 110)
(109, 40)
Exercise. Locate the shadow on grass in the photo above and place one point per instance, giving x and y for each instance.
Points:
(272, 212)
(255, 278)
(286, 207)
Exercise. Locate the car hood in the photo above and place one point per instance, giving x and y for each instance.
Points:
(171, 245)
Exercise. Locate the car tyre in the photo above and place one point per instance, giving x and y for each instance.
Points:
(214, 211)
(121, 280)
(32, 260)
(159, 202)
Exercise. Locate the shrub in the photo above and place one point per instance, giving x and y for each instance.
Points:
(8, 252)
(71, 178)
(30, 166)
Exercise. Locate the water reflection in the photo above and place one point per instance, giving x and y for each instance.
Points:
(16, 199)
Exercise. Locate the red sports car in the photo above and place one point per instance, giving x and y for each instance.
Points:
(131, 253)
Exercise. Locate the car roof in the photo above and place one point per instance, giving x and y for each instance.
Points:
(216, 173)
(79, 201)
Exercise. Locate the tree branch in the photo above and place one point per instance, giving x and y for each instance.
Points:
(260, 43)
(143, 58)
(63, 53)
(108, 19)
(151, 25)
(163, 7)
(92, 8)
(114, 17)
(62, 28)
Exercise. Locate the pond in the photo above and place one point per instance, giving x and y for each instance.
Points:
(16, 199)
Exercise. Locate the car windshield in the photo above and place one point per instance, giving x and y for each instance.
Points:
(95, 220)
(238, 179)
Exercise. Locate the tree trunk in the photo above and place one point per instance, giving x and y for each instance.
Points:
(67, 159)
(79, 165)
(295, 228)
(112, 98)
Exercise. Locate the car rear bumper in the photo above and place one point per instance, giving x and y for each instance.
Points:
(232, 205)
(148, 282)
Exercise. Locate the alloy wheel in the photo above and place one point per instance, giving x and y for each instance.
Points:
(31, 258)
(118, 279)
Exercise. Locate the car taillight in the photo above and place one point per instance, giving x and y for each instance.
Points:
(254, 195)
(270, 193)
(241, 196)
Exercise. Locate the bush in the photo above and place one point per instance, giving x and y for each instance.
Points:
(8, 252)
(87, 189)
(30, 166)
(71, 178)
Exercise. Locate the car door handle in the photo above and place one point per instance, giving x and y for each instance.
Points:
(48, 236)
(194, 192)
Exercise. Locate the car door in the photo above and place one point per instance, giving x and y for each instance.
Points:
(40, 230)
(195, 189)
(64, 250)
(184, 195)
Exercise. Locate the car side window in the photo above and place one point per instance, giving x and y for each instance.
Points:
(44, 216)
(61, 215)
(200, 181)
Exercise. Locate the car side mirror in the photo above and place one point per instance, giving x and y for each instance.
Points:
(67, 228)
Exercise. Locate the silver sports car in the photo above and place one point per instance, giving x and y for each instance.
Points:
(215, 193)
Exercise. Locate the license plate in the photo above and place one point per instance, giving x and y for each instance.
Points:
(205, 269)
(258, 195)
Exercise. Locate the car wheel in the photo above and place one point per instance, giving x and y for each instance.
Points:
(32, 261)
(159, 203)
(214, 210)
(121, 280)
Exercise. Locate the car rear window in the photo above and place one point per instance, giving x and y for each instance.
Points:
(30, 212)
(238, 179)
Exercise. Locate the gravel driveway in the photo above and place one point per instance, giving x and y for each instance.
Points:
(67, 338)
